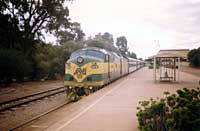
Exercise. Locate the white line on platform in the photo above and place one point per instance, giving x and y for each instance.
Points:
(89, 107)
(38, 126)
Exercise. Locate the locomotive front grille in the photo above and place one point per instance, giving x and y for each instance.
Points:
(71, 79)
(89, 79)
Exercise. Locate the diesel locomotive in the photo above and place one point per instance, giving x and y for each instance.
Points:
(89, 69)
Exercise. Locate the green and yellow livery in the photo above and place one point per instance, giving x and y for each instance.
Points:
(89, 69)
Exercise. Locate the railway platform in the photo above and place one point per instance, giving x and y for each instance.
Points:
(112, 108)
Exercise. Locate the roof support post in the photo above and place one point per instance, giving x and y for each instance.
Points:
(179, 65)
(154, 69)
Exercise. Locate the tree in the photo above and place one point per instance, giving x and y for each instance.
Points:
(24, 22)
(194, 57)
(75, 33)
(50, 59)
(45, 60)
(141, 59)
(14, 66)
(108, 38)
(104, 41)
(63, 53)
(132, 55)
(122, 44)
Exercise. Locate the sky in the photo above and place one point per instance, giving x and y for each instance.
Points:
(149, 25)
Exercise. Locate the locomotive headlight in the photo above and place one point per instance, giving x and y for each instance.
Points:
(94, 66)
(80, 60)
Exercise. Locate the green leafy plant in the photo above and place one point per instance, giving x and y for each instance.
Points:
(14, 66)
(194, 57)
(175, 112)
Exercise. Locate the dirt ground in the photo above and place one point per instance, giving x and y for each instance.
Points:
(191, 70)
(17, 90)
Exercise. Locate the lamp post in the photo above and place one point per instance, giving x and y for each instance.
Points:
(157, 46)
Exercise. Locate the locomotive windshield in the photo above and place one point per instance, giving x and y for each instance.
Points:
(94, 53)
(78, 53)
(91, 53)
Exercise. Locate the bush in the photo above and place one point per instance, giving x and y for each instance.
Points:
(176, 112)
(194, 57)
(13, 65)
(44, 61)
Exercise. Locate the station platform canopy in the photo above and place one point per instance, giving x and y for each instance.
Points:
(167, 64)
(181, 53)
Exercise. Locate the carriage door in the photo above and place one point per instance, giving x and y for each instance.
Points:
(120, 66)
(108, 61)
(129, 66)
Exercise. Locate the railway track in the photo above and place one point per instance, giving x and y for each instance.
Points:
(37, 117)
(6, 105)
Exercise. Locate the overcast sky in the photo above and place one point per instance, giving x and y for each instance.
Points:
(149, 25)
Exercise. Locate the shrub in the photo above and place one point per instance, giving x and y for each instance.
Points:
(176, 112)
(13, 65)
(50, 59)
(194, 57)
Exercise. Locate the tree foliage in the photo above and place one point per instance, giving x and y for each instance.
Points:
(104, 41)
(24, 22)
(179, 112)
(24, 26)
(14, 66)
(74, 33)
(122, 44)
(132, 55)
(50, 59)
(108, 38)
(194, 57)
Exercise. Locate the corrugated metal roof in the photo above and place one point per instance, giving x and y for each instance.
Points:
(173, 53)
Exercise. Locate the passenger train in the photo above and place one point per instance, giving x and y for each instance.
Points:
(89, 69)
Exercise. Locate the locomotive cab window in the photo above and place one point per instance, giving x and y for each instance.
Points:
(78, 53)
(96, 54)
(106, 58)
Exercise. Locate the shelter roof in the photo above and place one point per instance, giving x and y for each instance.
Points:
(182, 53)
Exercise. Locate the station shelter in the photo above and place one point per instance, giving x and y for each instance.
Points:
(166, 66)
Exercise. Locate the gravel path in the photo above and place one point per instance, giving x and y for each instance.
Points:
(15, 116)
(190, 70)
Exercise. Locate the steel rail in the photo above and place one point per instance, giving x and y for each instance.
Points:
(37, 117)
(30, 98)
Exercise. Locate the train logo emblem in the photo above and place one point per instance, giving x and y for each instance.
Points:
(80, 71)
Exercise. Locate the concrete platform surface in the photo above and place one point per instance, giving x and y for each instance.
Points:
(112, 108)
